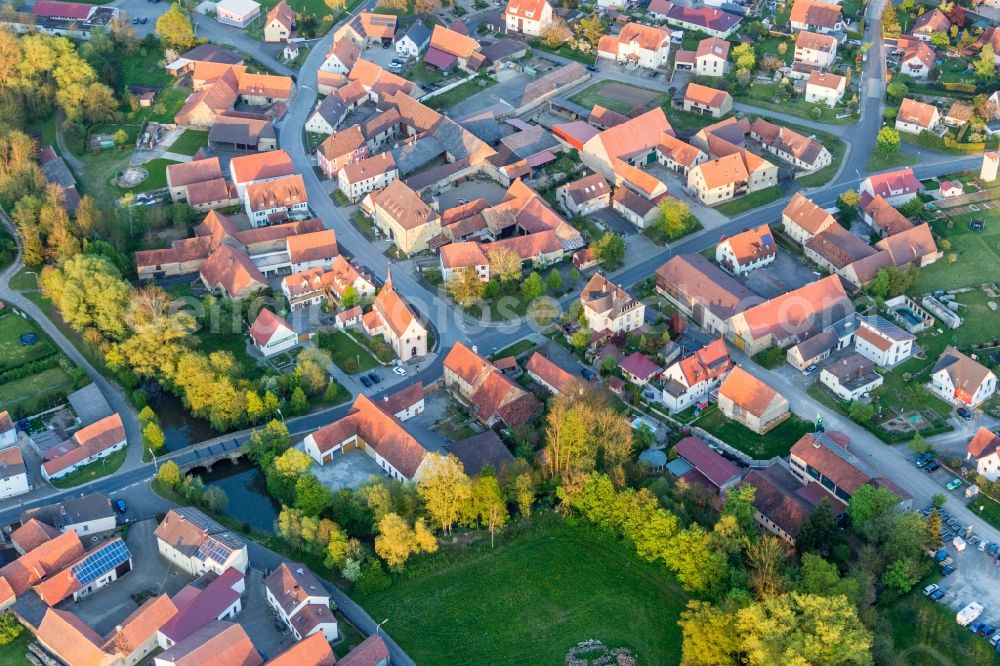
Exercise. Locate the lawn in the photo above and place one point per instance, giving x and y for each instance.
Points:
(769, 46)
(461, 92)
(878, 162)
(23, 396)
(12, 352)
(24, 280)
(95, 470)
(346, 352)
(189, 143)
(766, 96)
(13, 653)
(515, 349)
(777, 442)
(685, 121)
(917, 622)
(978, 254)
(235, 344)
(144, 67)
(595, 94)
(565, 51)
(531, 599)
(748, 201)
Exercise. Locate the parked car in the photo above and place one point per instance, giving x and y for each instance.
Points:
(937, 595)
(588, 374)
(135, 21)
(975, 627)
(922, 460)
(374, 377)
(994, 639)
(143, 21)
(987, 630)
(982, 546)
(399, 371)
(993, 549)
(811, 369)
(593, 68)
(954, 483)
(931, 589)
(932, 465)
(364, 380)
(120, 506)
(948, 570)
(964, 413)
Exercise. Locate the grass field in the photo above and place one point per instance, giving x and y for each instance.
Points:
(532, 598)
(978, 254)
(13, 653)
(917, 623)
(748, 201)
(877, 162)
(686, 121)
(95, 470)
(190, 142)
(515, 349)
(12, 352)
(344, 350)
(765, 96)
(461, 92)
(777, 442)
(617, 96)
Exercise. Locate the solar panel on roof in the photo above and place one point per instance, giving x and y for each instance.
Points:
(101, 561)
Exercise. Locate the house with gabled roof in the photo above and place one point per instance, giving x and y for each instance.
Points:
(825, 88)
(915, 117)
(341, 57)
(814, 49)
(585, 195)
(88, 444)
(883, 217)
(548, 374)
(703, 291)
(850, 377)
(802, 152)
(449, 48)
(364, 176)
(836, 248)
(883, 342)
(707, 101)
(639, 368)
(747, 250)
(802, 219)
(816, 16)
(301, 601)
(13, 472)
(711, 58)
(231, 272)
(393, 319)
(493, 396)
(369, 427)
(911, 246)
(197, 544)
(721, 473)
(279, 26)
(752, 403)
(403, 217)
(312, 650)
(930, 22)
(734, 173)
(917, 61)
(91, 571)
(961, 380)
(619, 151)
(456, 257)
(693, 377)
(984, 449)
(608, 307)
(818, 347)
(340, 149)
(367, 29)
(823, 458)
(645, 45)
(86, 515)
(31, 534)
(244, 170)
(711, 20)
(216, 642)
(782, 503)
(677, 155)
(414, 41)
(271, 334)
(528, 17)
(897, 187)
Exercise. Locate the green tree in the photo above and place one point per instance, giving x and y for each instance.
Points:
(739, 504)
(89, 291)
(532, 286)
(524, 492)
(10, 628)
(610, 250)
(700, 568)
(349, 297)
(266, 443)
(673, 217)
(445, 489)
(939, 500)
(985, 64)
(554, 281)
(887, 141)
(147, 415)
(919, 446)
(821, 578)
(744, 56)
(292, 463)
(580, 338)
(818, 534)
(298, 404)
(941, 39)
(215, 499)
(591, 28)
(311, 496)
(709, 639)
(174, 27)
(901, 576)
(861, 412)
(152, 437)
(465, 287)
(897, 90)
(871, 511)
(120, 138)
(890, 22)
(169, 474)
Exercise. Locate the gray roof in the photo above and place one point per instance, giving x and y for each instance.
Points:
(504, 48)
(72, 511)
(244, 131)
(530, 142)
(90, 404)
(485, 127)
(214, 53)
(419, 33)
(221, 534)
(480, 450)
(412, 156)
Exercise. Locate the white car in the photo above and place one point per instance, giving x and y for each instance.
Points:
(983, 545)
(399, 371)
(930, 589)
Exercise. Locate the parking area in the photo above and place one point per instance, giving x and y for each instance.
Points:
(346, 470)
(976, 576)
(259, 620)
(147, 9)
(611, 220)
(470, 191)
(785, 274)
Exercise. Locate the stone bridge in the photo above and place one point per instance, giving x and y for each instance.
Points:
(208, 455)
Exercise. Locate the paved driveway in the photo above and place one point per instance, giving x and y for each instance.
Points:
(142, 9)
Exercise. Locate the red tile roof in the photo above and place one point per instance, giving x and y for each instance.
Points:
(545, 370)
(713, 466)
(283, 192)
(44, 560)
(140, 625)
(89, 441)
(266, 325)
(33, 534)
(984, 443)
(233, 271)
(639, 365)
(261, 166)
(195, 171)
(215, 644)
(310, 650)
(710, 97)
(372, 652)
(313, 246)
(747, 392)
(66, 636)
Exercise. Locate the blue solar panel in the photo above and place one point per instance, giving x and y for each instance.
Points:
(101, 561)
(216, 550)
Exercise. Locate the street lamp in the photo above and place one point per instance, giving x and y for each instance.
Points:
(379, 625)
(280, 414)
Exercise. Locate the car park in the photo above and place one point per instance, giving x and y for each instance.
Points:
(953, 484)
(364, 380)
(931, 589)
(399, 371)
(947, 536)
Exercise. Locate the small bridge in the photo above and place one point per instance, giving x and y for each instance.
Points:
(207, 456)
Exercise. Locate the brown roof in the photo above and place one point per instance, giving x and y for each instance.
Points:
(372, 652)
(404, 398)
(815, 42)
(605, 117)
(752, 244)
(713, 46)
(530, 246)
(966, 374)
(233, 271)
(776, 498)
(480, 450)
(283, 14)
(283, 192)
(450, 41)
(909, 245)
(852, 366)
(603, 296)
(819, 451)
(62, 584)
(140, 625)
(678, 151)
(984, 443)
(90, 440)
(463, 255)
(313, 246)
(636, 135)
(370, 167)
(195, 171)
(931, 22)
(265, 85)
(393, 309)
(839, 246)
(291, 584)
(806, 214)
(825, 80)
(724, 170)
(587, 188)
(33, 534)
(716, 469)
(813, 12)
(711, 97)
(873, 338)
(310, 650)
(747, 391)
(467, 364)
(404, 206)
(922, 52)
(341, 143)
(380, 430)
(788, 141)
(494, 394)
(646, 36)
(380, 26)
(885, 217)
(11, 463)
(261, 166)
(216, 644)
(550, 373)
(917, 113)
(799, 310)
(697, 280)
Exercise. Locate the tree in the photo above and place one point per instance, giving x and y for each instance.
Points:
(349, 297)
(897, 90)
(985, 64)
(152, 437)
(887, 141)
(556, 34)
(819, 577)
(580, 338)
(335, 6)
(169, 474)
(120, 138)
(764, 557)
(311, 368)
(524, 492)
(901, 576)
(147, 415)
(268, 442)
(554, 281)
(426, 6)
(919, 445)
(10, 628)
(610, 250)
(487, 506)
(871, 512)
(215, 499)
(311, 496)
(423, 537)
(861, 412)
(818, 533)
(591, 28)
(505, 264)
(941, 39)
(673, 217)
(744, 56)
(797, 629)
(532, 286)
(893, 281)
(445, 489)
(700, 567)
(934, 526)
(175, 29)
(396, 541)
(739, 504)
(298, 404)
(88, 291)
(890, 22)
(337, 547)
(939, 500)
(709, 639)
(292, 463)
(465, 286)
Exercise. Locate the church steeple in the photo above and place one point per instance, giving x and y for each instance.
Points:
(388, 277)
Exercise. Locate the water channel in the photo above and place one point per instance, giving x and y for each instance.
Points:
(245, 487)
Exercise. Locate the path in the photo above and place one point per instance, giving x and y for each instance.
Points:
(68, 157)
